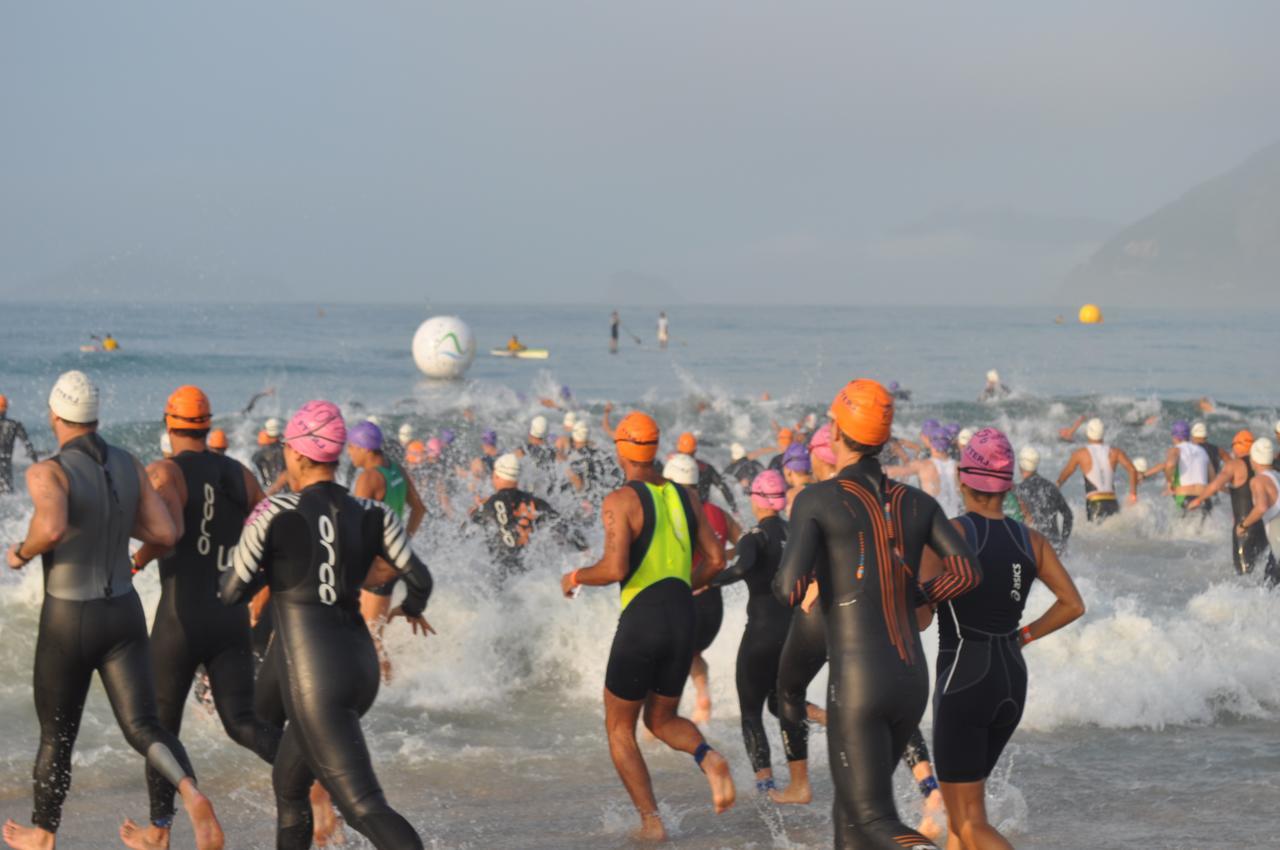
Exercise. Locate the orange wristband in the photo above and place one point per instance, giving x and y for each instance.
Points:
(1026, 635)
(573, 579)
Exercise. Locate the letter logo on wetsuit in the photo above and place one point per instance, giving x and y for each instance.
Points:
(516, 535)
(1016, 593)
(205, 543)
(328, 578)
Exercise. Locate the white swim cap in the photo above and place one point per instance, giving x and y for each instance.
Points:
(1199, 431)
(272, 427)
(166, 444)
(1263, 452)
(993, 377)
(74, 398)
(681, 469)
(580, 432)
(737, 452)
(1095, 429)
(1140, 464)
(538, 427)
(570, 419)
(405, 433)
(375, 420)
(963, 438)
(1028, 459)
(507, 467)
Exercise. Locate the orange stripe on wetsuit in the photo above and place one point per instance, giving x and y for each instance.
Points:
(893, 585)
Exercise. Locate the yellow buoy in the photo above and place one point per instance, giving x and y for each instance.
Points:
(1090, 314)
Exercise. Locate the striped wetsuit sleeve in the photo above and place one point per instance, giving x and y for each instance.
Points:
(960, 570)
(397, 552)
(245, 574)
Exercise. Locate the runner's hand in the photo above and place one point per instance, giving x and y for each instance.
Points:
(15, 562)
(419, 623)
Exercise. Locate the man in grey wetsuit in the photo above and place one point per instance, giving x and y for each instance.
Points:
(10, 432)
(89, 500)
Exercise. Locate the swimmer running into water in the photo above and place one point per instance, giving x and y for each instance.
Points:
(1097, 463)
(1237, 475)
(652, 529)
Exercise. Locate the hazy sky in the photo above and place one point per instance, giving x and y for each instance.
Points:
(727, 150)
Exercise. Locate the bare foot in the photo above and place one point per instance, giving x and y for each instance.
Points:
(28, 837)
(139, 838)
(934, 814)
(326, 825)
(702, 711)
(795, 794)
(204, 823)
(816, 714)
(651, 828)
(720, 780)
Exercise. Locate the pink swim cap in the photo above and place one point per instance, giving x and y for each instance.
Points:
(769, 490)
(987, 462)
(820, 445)
(435, 447)
(317, 431)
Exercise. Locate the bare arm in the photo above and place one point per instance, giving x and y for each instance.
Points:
(1219, 481)
(606, 425)
(1073, 463)
(1119, 458)
(252, 489)
(1258, 489)
(48, 487)
(153, 523)
(167, 481)
(1068, 607)
(707, 543)
(617, 513)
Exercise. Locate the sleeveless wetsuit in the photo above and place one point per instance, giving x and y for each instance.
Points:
(1247, 551)
(982, 680)
(759, 553)
(92, 620)
(653, 647)
(192, 627)
(872, 531)
(1193, 469)
(395, 497)
(314, 550)
(1271, 519)
(948, 487)
(1100, 485)
(708, 606)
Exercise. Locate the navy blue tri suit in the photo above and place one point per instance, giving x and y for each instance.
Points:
(759, 552)
(860, 536)
(314, 550)
(982, 680)
(192, 627)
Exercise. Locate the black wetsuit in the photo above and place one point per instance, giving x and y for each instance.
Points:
(708, 477)
(1248, 551)
(268, 461)
(759, 553)
(1049, 512)
(744, 470)
(314, 550)
(872, 532)
(92, 620)
(511, 517)
(982, 679)
(11, 431)
(192, 627)
(804, 654)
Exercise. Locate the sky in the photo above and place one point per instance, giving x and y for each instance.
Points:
(718, 151)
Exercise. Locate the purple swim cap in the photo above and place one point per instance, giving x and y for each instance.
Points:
(366, 435)
(447, 436)
(894, 386)
(566, 393)
(489, 438)
(1181, 430)
(987, 463)
(796, 458)
(930, 427)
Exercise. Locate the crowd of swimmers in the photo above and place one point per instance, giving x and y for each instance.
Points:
(277, 582)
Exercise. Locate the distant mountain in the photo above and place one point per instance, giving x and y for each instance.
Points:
(1006, 225)
(1219, 240)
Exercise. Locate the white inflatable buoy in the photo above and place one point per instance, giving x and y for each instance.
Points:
(444, 347)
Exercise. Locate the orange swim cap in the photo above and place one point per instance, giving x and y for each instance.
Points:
(863, 411)
(785, 436)
(217, 439)
(687, 444)
(1242, 442)
(188, 407)
(264, 439)
(637, 437)
(4, 404)
(415, 453)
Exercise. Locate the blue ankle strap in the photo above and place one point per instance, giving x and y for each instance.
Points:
(701, 753)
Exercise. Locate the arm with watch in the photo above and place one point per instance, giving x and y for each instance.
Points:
(47, 484)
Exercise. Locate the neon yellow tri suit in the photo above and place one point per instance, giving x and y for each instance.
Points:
(653, 647)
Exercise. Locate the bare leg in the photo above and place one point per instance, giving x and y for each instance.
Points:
(679, 734)
(204, 823)
(620, 718)
(326, 824)
(935, 813)
(28, 837)
(798, 791)
(700, 675)
(374, 608)
(967, 811)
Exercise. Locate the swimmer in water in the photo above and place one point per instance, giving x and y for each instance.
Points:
(1265, 489)
(899, 392)
(1237, 475)
(1047, 510)
(759, 552)
(315, 548)
(936, 473)
(1185, 469)
(708, 476)
(652, 529)
(512, 516)
(381, 480)
(1097, 462)
(742, 468)
(564, 440)
(268, 460)
(1200, 436)
(995, 390)
(217, 442)
(10, 431)
(981, 683)
(541, 454)
(861, 537)
(708, 603)
(797, 471)
(90, 499)
(209, 497)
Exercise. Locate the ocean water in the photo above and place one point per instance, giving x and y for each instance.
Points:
(1154, 721)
